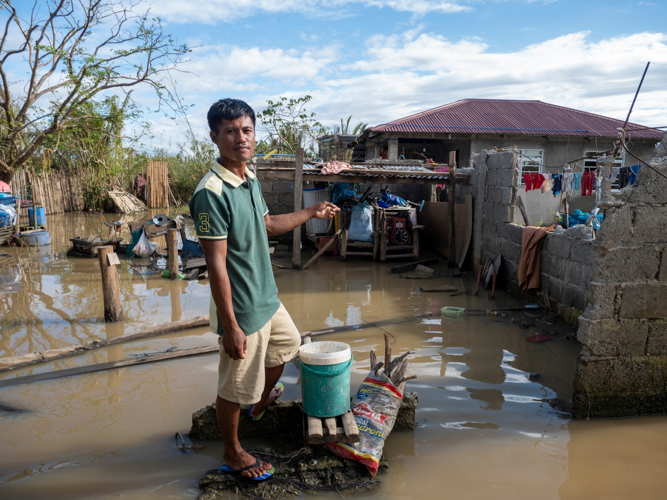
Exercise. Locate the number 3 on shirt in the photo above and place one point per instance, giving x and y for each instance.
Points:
(204, 226)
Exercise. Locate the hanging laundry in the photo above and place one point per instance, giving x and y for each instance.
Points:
(568, 178)
(634, 170)
(538, 179)
(547, 183)
(598, 188)
(614, 174)
(587, 182)
(558, 184)
(528, 179)
(624, 177)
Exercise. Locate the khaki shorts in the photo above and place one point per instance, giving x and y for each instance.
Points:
(277, 342)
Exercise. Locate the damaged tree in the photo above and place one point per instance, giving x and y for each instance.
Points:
(67, 70)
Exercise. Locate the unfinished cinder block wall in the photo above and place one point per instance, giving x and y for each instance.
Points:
(566, 260)
(623, 369)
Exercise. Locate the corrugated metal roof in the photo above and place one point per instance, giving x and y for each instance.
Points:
(488, 116)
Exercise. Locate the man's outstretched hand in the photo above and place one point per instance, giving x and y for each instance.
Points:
(324, 210)
(234, 343)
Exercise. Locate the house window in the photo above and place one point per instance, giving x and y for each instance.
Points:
(591, 163)
(532, 161)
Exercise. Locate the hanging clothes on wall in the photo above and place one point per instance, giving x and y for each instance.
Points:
(528, 179)
(568, 178)
(587, 183)
(623, 177)
(547, 183)
(557, 184)
(538, 179)
(576, 181)
(614, 174)
(634, 170)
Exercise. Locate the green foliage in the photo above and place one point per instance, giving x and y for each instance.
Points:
(344, 127)
(290, 126)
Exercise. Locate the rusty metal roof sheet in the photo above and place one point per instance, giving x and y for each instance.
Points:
(490, 116)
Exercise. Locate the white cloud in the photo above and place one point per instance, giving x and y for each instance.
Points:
(212, 11)
(411, 72)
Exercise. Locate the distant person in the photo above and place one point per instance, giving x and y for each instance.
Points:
(140, 187)
(257, 334)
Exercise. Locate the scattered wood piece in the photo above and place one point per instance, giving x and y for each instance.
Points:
(458, 293)
(409, 267)
(387, 354)
(126, 203)
(327, 430)
(330, 425)
(405, 379)
(11, 363)
(315, 431)
(349, 425)
(195, 263)
(363, 326)
(374, 358)
(444, 288)
(80, 370)
(376, 367)
(522, 209)
(323, 249)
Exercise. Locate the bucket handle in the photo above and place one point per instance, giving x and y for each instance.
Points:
(332, 374)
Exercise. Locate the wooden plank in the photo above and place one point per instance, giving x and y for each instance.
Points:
(80, 370)
(298, 203)
(315, 431)
(445, 288)
(330, 424)
(193, 263)
(323, 249)
(350, 426)
(451, 208)
(403, 268)
(365, 254)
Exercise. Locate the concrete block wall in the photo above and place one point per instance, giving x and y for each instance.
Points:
(623, 369)
(565, 261)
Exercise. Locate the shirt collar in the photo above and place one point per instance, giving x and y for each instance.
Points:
(228, 177)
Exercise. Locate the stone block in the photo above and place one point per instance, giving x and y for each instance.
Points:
(508, 178)
(550, 264)
(627, 374)
(662, 273)
(488, 211)
(511, 269)
(492, 247)
(511, 232)
(567, 295)
(616, 405)
(506, 195)
(613, 338)
(616, 228)
(580, 299)
(500, 161)
(644, 301)
(511, 251)
(650, 223)
(492, 178)
(501, 213)
(600, 301)
(577, 274)
(489, 226)
(649, 187)
(582, 251)
(560, 246)
(493, 194)
(626, 264)
(282, 187)
(657, 338)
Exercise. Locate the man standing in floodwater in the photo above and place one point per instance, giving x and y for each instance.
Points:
(257, 334)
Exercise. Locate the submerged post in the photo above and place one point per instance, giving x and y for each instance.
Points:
(298, 203)
(17, 228)
(450, 208)
(113, 307)
(172, 250)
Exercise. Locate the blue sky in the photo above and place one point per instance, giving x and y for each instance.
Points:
(380, 60)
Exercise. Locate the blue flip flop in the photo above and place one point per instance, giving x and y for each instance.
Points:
(267, 474)
(276, 387)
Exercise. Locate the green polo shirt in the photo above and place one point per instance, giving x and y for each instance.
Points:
(226, 208)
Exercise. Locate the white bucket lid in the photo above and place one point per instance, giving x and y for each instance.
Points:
(325, 353)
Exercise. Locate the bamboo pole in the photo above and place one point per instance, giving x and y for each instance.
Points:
(172, 248)
(298, 203)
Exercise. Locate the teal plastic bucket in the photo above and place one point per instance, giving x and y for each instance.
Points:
(325, 388)
(36, 216)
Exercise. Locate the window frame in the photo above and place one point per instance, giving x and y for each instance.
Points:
(524, 157)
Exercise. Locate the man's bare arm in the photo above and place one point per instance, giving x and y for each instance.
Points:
(233, 340)
(281, 224)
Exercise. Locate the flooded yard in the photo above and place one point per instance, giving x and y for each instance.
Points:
(486, 430)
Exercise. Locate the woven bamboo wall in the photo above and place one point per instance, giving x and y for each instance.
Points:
(57, 192)
(157, 184)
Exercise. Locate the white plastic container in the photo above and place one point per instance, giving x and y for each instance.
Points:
(312, 197)
(325, 353)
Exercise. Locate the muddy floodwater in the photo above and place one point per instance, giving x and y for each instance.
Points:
(486, 431)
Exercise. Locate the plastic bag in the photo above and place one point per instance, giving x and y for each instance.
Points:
(144, 247)
(361, 225)
(375, 408)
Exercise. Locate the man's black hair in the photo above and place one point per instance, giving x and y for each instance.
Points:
(228, 109)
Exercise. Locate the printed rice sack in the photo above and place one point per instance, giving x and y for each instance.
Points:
(375, 408)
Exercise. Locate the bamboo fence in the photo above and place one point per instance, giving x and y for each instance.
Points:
(157, 184)
(56, 191)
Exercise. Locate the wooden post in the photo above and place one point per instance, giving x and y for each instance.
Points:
(17, 228)
(479, 279)
(172, 249)
(298, 203)
(450, 207)
(113, 307)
